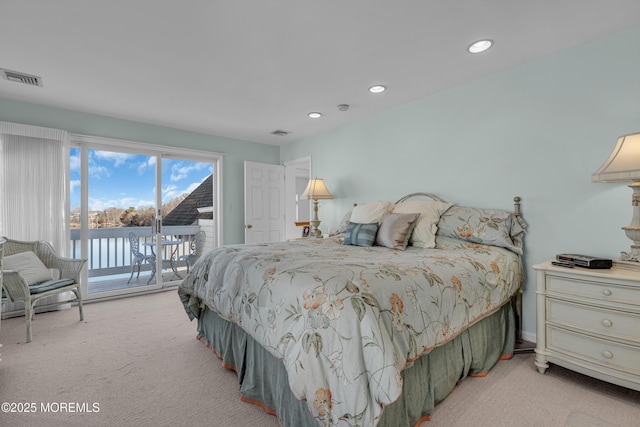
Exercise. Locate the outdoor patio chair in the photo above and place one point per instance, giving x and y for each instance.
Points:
(197, 245)
(33, 271)
(138, 258)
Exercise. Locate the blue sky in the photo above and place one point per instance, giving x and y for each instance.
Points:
(123, 180)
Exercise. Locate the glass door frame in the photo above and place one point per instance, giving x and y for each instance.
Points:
(86, 143)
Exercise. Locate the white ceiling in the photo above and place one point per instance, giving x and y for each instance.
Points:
(245, 68)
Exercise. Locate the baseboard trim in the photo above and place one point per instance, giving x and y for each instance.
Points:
(528, 336)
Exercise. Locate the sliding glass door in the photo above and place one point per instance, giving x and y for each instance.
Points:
(134, 215)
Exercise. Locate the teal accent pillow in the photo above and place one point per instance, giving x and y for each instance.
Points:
(360, 234)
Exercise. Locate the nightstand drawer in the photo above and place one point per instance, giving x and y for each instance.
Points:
(600, 291)
(609, 323)
(605, 353)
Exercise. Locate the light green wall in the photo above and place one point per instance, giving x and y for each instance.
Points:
(235, 151)
(538, 131)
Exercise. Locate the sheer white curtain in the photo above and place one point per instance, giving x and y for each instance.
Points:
(34, 171)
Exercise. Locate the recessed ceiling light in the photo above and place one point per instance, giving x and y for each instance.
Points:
(377, 89)
(315, 115)
(480, 46)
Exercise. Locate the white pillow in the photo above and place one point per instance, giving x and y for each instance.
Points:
(424, 233)
(342, 227)
(370, 212)
(29, 266)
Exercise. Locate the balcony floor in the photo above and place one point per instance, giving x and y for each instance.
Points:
(119, 282)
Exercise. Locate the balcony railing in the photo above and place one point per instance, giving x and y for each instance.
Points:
(110, 253)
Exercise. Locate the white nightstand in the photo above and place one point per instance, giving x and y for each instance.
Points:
(589, 321)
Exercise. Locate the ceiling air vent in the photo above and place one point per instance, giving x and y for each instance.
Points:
(15, 76)
(280, 132)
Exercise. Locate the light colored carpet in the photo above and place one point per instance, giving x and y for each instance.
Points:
(137, 359)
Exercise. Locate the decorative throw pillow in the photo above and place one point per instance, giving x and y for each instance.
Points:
(487, 226)
(424, 233)
(360, 234)
(370, 212)
(28, 265)
(395, 230)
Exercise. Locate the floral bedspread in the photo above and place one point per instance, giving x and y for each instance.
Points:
(346, 320)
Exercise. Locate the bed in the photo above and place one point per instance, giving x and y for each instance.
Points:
(349, 331)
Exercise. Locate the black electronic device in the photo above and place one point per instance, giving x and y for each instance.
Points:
(563, 264)
(585, 261)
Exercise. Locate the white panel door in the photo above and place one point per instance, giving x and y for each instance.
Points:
(263, 203)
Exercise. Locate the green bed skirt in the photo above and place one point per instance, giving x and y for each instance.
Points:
(263, 379)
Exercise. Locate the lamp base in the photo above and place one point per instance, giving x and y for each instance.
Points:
(315, 231)
(632, 231)
(633, 256)
(315, 222)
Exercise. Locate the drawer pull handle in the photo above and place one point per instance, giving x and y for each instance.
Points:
(606, 322)
(607, 354)
(606, 292)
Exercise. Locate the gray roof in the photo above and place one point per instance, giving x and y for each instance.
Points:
(186, 213)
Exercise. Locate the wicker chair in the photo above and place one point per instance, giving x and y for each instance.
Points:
(138, 258)
(197, 245)
(17, 283)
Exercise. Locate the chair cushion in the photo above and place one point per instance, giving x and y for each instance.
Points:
(28, 265)
(50, 285)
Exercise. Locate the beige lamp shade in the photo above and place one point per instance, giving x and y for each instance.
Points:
(623, 164)
(316, 189)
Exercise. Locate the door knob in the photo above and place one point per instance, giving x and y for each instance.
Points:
(249, 225)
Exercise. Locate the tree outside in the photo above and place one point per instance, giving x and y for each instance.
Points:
(114, 217)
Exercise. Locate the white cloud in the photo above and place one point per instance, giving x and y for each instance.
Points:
(74, 163)
(98, 171)
(73, 184)
(180, 171)
(142, 167)
(123, 203)
(170, 192)
(118, 159)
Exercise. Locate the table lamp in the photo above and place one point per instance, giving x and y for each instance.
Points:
(316, 190)
(623, 165)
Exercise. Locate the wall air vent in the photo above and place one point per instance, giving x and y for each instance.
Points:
(280, 132)
(15, 76)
